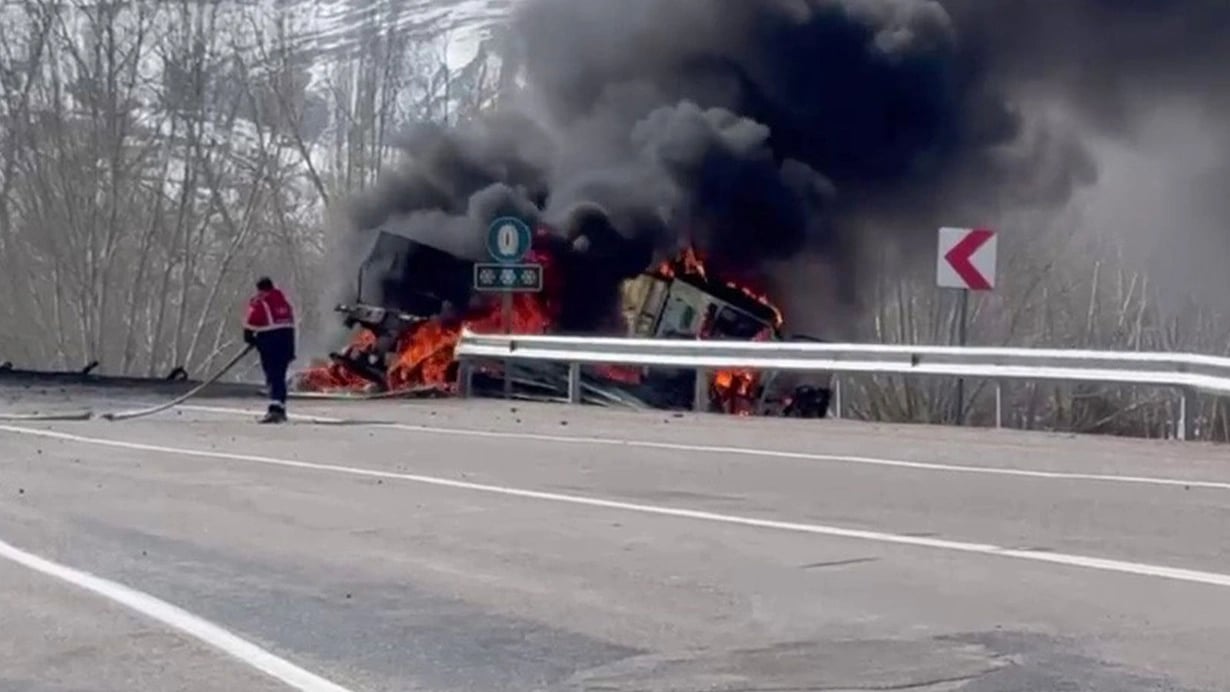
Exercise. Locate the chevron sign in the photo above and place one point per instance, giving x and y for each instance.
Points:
(966, 259)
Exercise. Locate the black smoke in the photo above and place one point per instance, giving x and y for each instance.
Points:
(1105, 56)
(1152, 79)
(768, 131)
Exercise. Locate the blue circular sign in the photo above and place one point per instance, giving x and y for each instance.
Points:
(508, 239)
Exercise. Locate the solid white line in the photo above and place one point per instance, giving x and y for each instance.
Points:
(177, 618)
(1106, 565)
(765, 453)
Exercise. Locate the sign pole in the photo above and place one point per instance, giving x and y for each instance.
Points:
(966, 261)
(507, 319)
(962, 336)
(509, 240)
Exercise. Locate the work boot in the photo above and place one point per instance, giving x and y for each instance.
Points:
(274, 415)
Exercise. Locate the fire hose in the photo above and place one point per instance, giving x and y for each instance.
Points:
(84, 414)
(87, 414)
(140, 413)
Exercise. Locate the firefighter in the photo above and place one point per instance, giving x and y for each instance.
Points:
(270, 327)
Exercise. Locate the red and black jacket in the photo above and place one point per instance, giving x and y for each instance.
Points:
(270, 323)
(269, 311)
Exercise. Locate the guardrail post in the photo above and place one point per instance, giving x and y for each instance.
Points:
(999, 404)
(465, 378)
(700, 393)
(837, 397)
(1187, 414)
(574, 383)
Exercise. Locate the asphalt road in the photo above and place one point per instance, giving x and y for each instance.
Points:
(491, 546)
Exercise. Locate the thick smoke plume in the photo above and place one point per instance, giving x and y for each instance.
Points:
(1147, 83)
(777, 134)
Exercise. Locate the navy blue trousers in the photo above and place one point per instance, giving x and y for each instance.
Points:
(277, 352)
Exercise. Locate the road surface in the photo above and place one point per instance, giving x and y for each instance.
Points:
(453, 545)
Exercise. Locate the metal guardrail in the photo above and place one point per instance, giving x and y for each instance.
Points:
(1189, 374)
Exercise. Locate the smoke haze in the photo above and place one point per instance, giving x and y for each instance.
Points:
(778, 135)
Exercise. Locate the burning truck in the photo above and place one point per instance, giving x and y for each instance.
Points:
(411, 302)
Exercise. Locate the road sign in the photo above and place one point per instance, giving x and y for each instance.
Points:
(966, 259)
(509, 240)
(507, 278)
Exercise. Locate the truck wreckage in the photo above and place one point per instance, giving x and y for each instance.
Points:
(411, 301)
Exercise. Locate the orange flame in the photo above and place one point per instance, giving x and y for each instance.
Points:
(688, 263)
(334, 377)
(735, 391)
(424, 354)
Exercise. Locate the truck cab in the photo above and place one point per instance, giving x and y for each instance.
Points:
(657, 306)
(666, 306)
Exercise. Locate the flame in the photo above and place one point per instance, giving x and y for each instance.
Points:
(687, 263)
(334, 377)
(425, 354)
(736, 391)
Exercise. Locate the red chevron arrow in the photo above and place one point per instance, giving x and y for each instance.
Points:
(959, 259)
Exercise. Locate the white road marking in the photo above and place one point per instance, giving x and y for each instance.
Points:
(177, 618)
(1103, 564)
(765, 453)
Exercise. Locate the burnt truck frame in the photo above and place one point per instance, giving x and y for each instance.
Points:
(400, 284)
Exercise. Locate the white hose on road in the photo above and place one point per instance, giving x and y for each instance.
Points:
(84, 414)
(139, 413)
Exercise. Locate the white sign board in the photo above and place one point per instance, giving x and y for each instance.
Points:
(966, 259)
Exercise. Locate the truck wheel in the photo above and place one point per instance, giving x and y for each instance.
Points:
(809, 402)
